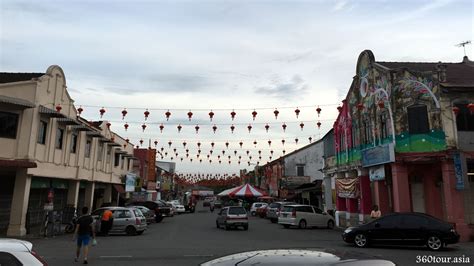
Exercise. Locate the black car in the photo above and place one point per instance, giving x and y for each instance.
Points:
(403, 229)
(161, 209)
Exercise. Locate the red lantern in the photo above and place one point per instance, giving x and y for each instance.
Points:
(254, 114)
(249, 127)
(210, 151)
(284, 151)
(161, 128)
(146, 113)
(179, 128)
(156, 143)
(197, 128)
(283, 142)
(168, 114)
(218, 156)
(255, 143)
(127, 140)
(227, 145)
(267, 127)
(232, 114)
(58, 108)
(199, 144)
(318, 124)
(125, 145)
(181, 159)
(212, 144)
(143, 127)
(284, 127)
(112, 138)
(471, 108)
(162, 149)
(141, 142)
(276, 113)
(456, 110)
(232, 128)
(296, 140)
(223, 152)
(301, 126)
(169, 144)
(190, 115)
(235, 152)
(108, 125)
(297, 112)
(381, 104)
(360, 107)
(139, 147)
(339, 108)
(102, 111)
(319, 110)
(269, 143)
(310, 139)
(187, 150)
(211, 115)
(184, 144)
(124, 113)
(79, 110)
(214, 128)
(247, 152)
(259, 152)
(241, 143)
(125, 126)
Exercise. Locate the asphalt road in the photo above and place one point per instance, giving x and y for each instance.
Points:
(191, 239)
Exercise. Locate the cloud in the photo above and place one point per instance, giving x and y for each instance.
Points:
(339, 5)
(294, 88)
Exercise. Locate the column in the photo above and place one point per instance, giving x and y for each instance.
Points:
(381, 196)
(328, 193)
(453, 200)
(365, 195)
(433, 205)
(73, 192)
(21, 195)
(89, 197)
(108, 193)
(401, 188)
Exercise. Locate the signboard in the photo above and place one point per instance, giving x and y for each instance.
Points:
(139, 196)
(130, 182)
(150, 185)
(158, 185)
(295, 181)
(458, 170)
(347, 187)
(378, 155)
(377, 173)
(203, 193)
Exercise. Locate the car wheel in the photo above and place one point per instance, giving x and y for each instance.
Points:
(302, 224)
(286, 226)
(140, 232)
(273, 220)
(217, 225)
(434, 243)
(253, 213)
(330, 224)
(131, 231)
(246, 227)
(361, 240)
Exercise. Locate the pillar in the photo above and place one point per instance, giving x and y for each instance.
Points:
(381, 196)
(89, 197)
(365, 195)
(433, 205)
(328, 193)
(108, 193)
(401, 188)
(21, 195)
(454, 200)
(73, 192)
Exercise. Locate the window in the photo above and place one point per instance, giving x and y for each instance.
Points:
(73, 143)
(318, 210)
(123, 162)
(367, 132)
(413, 221)
(9, 122)
(100, 153)
(464, 120)
(418, 119)
(88, 148)
(116, 159)
(43, 126)
(8, 259)
(470, 170)
(307, 209)
(383, 125)
(300, 170)
(389, 221)
(122, 214)
(109, 154)
(59, 138)
(237, 210)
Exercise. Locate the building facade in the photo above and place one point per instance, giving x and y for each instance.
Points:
(403, 141)
(50, 157)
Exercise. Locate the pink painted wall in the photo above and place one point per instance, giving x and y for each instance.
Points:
(365, 195)
(401, 188)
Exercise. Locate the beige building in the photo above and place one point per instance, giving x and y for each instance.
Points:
(49, 156)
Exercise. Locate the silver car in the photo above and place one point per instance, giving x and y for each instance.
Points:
(232, 217)
(273, 210)
(127, 220)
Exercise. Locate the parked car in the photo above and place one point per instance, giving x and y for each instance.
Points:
(273, 210)
(160, 209)
(304, 216)
(177, 208)
(403, 229)
(127, 220)
(232, 217)
(255, 206)
(171, 211)
(19, 252)
(262, 211)
(149, 214)
(218, 204)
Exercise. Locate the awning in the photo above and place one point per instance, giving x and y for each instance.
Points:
(114, 144)
(81, 128)
(49, 112)
(314, 186)
(17, 164)
(67, 121)
(121, 152)
(93, 133)
(16, 102)
(119, 188)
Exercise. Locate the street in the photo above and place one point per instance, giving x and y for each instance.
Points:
(191, 239)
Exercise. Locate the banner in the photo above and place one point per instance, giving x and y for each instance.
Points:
(130, 182)
(347, 187)
(377, 173)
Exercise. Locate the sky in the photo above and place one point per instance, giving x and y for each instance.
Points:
(200, 56)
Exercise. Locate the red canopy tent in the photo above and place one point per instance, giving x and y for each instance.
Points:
(246, 190)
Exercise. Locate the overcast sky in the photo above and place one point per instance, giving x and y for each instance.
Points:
(203, 55)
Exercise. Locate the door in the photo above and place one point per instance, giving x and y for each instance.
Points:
(121, 220)
(221, 216)
(319, 217)
(386, 229)
(417, 195)
(414, 228)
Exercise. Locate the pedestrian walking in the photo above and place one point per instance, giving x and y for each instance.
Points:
(106, 222)
(83, 232)
(375, 212)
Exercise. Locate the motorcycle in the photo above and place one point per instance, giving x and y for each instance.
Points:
(71, 226)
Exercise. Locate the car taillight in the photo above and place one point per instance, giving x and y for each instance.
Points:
(138, 221)
(38, 257)
(293, 214)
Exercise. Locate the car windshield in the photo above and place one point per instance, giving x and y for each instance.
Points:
(287, 208)
(237, 210)
(274, 205)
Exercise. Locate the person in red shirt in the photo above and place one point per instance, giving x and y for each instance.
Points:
(106, 222)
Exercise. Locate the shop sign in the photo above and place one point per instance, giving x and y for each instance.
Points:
(378, 155)
(377, 173)
(130, 181)
(295, 181)
(151, 186)
(139, 196)
(458, 170)
(158, 185)
(347, 187)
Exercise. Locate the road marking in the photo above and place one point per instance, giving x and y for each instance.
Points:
(197, 255)
(118, 256)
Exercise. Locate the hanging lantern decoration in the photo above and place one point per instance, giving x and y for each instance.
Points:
(187, 150)
(259, 157)
(238, 162)
(199, 144)
(161, 128)
(301, 126)
(112, 138)
(381, 104)
(208, 156)
(124, 113)
(156, 143)
(220, 161)
(269, 143)
(284, 152)
(310, 139)
(471, 108)
(191, 159)
(223, 152)
(197, 128)
(232, 115)
(241, 143)
(143, 127)
(125, 126)
(108, 124)
(214, 128)
(276, 113)
(190, 115)
(283, 142)
(169, 144)
(179, 128)
(127, 140)
(250, 157)
(456, 110)
(184, 144)
(249, 127)
(360, 107)
(58, 108)
(232, 128)
(254, 115)
(79, 110)
(210, 151)
(218, 156)
(181, 159)
(141, 142)
(211, 115)
(259, 152)
(227, 145)
(284, 127)
(319, 125)
(168, 114)
(212, 145)
(235, 152)
(255, 143)
(339, 108)
(267, 127)
(210, 161)
(139, 147)
(166, 154)
(125, 145)
(102, 112)
(318, 110)
(297, 112)
(146, 113)
(174, 149)
(247, 152)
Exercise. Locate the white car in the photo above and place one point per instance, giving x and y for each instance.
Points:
(304, 216)
(255, 206)
(19, 252)
(177, 207)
